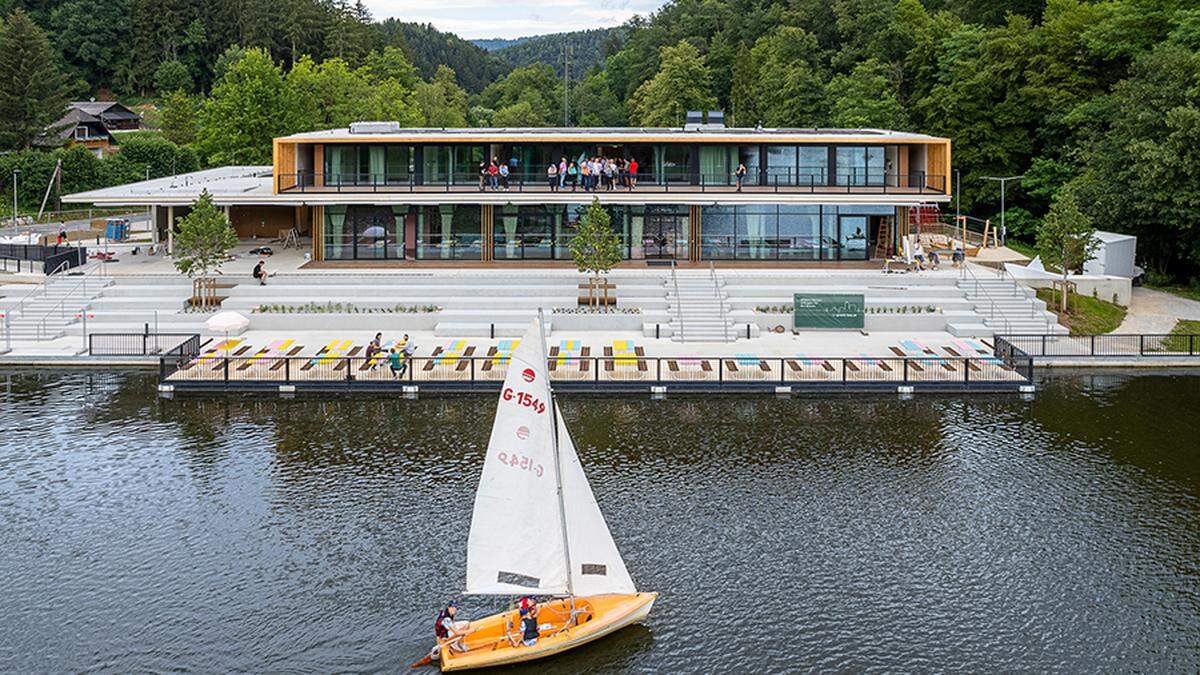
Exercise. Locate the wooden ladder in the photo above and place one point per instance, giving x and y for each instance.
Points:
(883, 239)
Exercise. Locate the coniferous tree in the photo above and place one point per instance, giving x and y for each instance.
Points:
(33, 93)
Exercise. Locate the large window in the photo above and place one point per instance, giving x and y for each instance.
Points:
(860, 165)
(788, 232)
(449, 232)
(526, 232)
(367, 164)
(804, 165)
(364, 232)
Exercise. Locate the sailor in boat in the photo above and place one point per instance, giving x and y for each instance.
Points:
(529, 621)
(446, 628)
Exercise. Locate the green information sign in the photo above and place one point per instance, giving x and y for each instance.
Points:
(828, 311)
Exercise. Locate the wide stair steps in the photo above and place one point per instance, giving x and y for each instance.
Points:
(699, 312)
(1009, 307)
(50, 314)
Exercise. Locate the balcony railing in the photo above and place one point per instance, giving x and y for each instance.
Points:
(783, 182)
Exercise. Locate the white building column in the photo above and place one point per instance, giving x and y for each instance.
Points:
(170, 230)
(152, 213)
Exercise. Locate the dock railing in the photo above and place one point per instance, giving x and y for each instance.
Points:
(136, 344)
(186, 368)
(1106, 346)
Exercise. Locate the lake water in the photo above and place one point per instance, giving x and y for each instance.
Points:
(861, 532)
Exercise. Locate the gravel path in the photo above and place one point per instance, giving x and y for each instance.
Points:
(1156, 312)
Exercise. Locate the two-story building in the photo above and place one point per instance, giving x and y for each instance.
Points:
(378, 192)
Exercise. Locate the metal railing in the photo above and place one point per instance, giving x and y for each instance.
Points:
(183, 354)
(1110, 345)
(678, 300)
(186, 368)
(712, 270)
(51, 257)
(69, 302)
(135, 344)
(38, 291)
(978, 289)
(678, 181)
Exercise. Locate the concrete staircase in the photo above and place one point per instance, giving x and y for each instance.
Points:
(49, 313)
(1006, 306)
(699, 311)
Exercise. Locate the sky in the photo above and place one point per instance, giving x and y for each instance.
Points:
(512, 18)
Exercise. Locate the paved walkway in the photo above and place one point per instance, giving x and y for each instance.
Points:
(1154, 311)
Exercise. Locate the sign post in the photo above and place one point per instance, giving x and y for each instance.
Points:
(828, 311)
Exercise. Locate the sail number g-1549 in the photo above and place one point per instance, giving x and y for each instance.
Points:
(523, 398)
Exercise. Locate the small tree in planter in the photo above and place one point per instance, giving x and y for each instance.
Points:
(1067, 237)
(203, 243)
(595, 248)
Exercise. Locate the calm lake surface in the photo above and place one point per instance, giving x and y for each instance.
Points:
(857, 533)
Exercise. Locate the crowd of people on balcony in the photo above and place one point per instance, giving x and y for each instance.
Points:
(591, 174)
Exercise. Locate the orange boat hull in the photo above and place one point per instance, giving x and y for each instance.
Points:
(495, 640)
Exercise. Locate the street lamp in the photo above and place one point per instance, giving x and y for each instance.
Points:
(14, 213)
(1003, 184)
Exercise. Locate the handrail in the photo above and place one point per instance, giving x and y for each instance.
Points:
(61, 305)
(712, 270)
(41, 288)
(991, 301)
(678, 303)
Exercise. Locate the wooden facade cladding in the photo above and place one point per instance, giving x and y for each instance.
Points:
(284, 155)
(487, 224)
(694, 214)
(938, 163)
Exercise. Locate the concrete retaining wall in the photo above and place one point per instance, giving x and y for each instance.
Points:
(884, 322)
(376, 322)
(1104, 288)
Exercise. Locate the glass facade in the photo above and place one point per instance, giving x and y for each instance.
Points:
(448, 232)
(788, 232)
(762, 232)
(800, 165)
(364, 232)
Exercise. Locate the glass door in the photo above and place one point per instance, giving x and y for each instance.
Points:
(852, 237)
(660, 238)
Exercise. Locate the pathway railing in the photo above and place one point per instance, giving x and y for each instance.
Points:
(678, 300)
(136, 344)
(1103, 346)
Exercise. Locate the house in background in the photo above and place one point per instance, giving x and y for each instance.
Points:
(80, 128)
(115, 116)
(90, 124)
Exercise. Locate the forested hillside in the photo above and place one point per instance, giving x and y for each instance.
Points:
(1101, 98)
(589, 48)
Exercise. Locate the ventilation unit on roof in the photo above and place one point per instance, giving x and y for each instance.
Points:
(696, 120)
(374, 127)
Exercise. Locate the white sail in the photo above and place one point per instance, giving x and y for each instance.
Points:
(596, 564)
(516, 541)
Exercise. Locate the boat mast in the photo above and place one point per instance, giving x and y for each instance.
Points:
(562, 507)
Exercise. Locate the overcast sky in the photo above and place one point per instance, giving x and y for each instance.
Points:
(512, 18)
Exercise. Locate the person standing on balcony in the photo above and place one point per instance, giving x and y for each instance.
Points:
(552, 177)
(483, 173)
(504, 173)
(740, 175)
(562, 171)
(633, 167)
(494, 174)
(572, 174)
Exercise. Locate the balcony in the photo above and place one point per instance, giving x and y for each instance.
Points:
(913, 183)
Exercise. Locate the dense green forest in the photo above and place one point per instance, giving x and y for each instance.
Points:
(589, 49)
(1098, 97)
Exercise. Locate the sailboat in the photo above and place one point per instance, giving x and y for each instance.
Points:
(536, 530)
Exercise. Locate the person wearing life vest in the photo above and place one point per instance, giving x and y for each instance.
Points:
(529, 623)
(449, 631)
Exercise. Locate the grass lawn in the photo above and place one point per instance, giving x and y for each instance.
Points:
(1027, 250)
(1189, 292)
(1183, 327)
(1085, 315)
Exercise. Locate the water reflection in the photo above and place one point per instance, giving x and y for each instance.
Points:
(846, 532)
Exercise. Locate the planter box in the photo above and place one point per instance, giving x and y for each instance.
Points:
(616, 322)
(368, 322)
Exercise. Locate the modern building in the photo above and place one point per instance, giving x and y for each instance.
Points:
(380, 193)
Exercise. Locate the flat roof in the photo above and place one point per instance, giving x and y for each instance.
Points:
(706, 133)
(223, 183)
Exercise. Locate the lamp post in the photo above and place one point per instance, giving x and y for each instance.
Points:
(1003, 180)
(14, 213)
